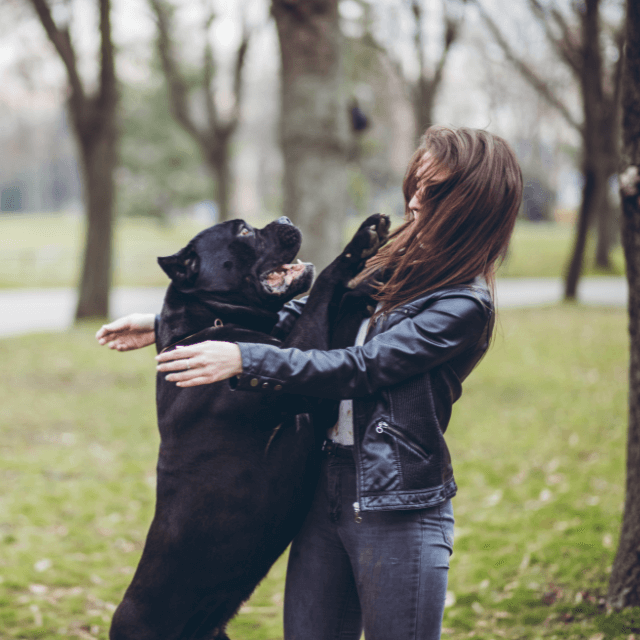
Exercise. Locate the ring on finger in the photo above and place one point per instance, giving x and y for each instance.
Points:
(188, 364)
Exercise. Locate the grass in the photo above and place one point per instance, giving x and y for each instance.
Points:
(542, 250)
(537, 440)
(45, 250)
(539, 445)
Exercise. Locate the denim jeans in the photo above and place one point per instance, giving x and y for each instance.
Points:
(386, 574)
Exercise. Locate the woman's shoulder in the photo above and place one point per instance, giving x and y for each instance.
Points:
(476, 291)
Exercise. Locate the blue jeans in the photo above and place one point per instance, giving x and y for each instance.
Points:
(386, 574)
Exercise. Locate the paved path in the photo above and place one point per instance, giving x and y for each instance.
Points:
(28, 310)
(525, 292)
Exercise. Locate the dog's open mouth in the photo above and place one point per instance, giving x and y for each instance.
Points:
(280, 279)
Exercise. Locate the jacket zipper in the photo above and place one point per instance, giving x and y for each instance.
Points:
(357, 518)
(356, 513)
(383, 426)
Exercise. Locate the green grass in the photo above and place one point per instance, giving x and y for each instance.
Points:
(46, 250)
(542, 250)
(537, 439)
(538, 443)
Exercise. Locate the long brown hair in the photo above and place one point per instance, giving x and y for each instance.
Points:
(469, 188)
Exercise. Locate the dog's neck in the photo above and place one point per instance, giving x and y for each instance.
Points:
(185, 314)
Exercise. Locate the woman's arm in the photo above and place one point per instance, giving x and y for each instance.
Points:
(413, 346)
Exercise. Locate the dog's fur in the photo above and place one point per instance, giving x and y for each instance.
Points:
(236, 469)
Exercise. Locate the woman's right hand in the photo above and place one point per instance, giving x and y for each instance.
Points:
(134, 331)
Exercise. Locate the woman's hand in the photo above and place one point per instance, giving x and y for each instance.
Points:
(131, 332)
(201, 363)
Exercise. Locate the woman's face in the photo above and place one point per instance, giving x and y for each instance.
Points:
(414, 208)
(436, 174)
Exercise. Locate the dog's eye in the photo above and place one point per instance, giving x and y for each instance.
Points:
(245, 232)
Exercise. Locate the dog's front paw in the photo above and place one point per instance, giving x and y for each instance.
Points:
(371, 235)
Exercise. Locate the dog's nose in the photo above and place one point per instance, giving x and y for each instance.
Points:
(283, 220)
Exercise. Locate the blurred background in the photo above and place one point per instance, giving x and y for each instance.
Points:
(127, 126)
(174, 115)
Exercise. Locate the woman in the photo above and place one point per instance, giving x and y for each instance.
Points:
(374, 550)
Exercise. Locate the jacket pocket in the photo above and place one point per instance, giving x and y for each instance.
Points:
(380, 461)
(417, 468)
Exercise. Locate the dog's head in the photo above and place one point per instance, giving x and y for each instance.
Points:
(236, 263)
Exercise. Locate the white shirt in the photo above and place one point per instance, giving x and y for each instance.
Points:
(342, 431)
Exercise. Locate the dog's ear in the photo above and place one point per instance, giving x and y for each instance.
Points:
(182, 267)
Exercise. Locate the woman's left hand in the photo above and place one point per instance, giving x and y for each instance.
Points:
(201, 363)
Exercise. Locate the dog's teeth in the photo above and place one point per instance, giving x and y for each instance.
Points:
(298, 261)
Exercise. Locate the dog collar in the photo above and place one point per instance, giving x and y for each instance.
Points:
(245, 317)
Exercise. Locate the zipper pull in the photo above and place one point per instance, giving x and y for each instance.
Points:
(356, 512)
(381, 426)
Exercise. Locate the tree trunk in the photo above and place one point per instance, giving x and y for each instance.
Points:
(606, 221)
(593, 200)
(624, 585)
(95, 121)
(314, 127)
(218, 159)
(99, 163)
(610, 136)
(595, 178)
(425, 96)
(95, 130)
(223, 180)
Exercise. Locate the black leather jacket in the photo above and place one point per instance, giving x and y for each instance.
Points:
(403, 381)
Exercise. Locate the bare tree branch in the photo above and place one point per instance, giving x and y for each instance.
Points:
(208, 72)
(62, 42)
(417, 38)
(426, 88)
(613, 82)
(452, 28)
(527, 72)
(611, 102)
(570, 45)
(238, 68)
(178, 91)
(214, 139)
(565, 45)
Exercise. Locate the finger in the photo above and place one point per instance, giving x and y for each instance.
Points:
(116, 326)
(176, 365)
(194, 382)
(103, 334)
(176, 354)
(182, 376)
(109, 331)
(122, 346)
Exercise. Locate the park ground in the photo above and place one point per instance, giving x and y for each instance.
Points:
(537, 439)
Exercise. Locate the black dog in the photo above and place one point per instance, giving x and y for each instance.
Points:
(236, 469)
